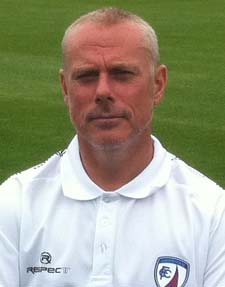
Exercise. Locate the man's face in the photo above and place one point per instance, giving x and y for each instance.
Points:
(108, 84)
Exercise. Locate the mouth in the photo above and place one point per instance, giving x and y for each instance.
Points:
(106, 117)
(106, 121)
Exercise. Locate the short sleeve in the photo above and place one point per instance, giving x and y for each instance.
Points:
(215, 269)
(9, 233)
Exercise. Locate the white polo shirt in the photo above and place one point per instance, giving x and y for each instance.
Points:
(165, 228)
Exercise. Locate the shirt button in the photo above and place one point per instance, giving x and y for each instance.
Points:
(110, 197)
(105, 221)
(103, 247)
(107, 199)
(107, 270)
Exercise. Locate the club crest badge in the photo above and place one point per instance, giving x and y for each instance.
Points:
(171, 272)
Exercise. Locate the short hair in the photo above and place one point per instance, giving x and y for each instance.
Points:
(112, 15)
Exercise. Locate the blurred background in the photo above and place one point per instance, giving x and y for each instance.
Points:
(190, 122)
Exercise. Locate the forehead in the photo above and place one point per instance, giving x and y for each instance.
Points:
(124, 38)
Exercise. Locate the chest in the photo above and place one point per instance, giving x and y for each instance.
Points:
(113, 242)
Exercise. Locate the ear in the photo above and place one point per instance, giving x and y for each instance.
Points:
(63, 85)
(160, 82)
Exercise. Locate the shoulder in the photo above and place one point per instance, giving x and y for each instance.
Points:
(187, 175)
(184, 177)
(196, 187)
(24, 185)
(45, 170)
(11, 189)
(34, 181)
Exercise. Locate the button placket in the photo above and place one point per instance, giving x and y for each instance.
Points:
(104, 237)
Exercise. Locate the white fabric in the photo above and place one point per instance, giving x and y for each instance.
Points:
(95, 238)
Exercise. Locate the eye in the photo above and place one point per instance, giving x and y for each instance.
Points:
(122, 74)
(86, 76)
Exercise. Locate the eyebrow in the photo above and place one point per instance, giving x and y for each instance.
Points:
(111, 68)
(124, 65)
(84, 70)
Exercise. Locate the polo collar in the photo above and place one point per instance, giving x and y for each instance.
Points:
(77, 185)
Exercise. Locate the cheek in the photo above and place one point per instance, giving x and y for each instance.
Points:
(144, 113)
(79, 105)
(141, 102)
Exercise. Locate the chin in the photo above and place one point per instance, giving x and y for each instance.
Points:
(108, 144)
(110, 141)
(113, 142)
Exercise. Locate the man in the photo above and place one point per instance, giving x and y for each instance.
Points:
(115, 209)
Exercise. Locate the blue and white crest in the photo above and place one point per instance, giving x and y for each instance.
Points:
(171, 272)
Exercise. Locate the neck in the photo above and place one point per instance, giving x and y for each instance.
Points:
(111, 169)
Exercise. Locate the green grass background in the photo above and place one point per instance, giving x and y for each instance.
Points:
(190, 121)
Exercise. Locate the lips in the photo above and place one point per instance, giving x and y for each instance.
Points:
(107, 116)
(106, 121)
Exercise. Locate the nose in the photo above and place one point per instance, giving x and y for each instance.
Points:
(103, 91)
